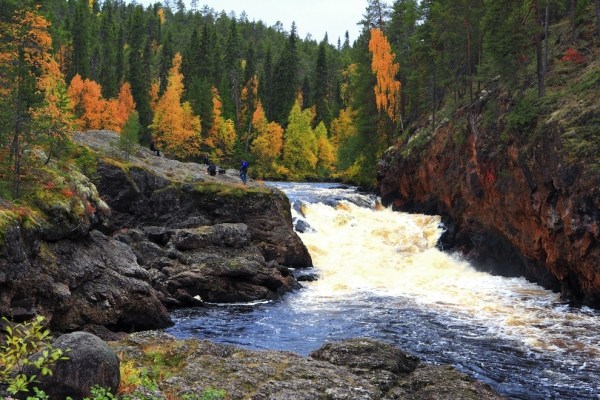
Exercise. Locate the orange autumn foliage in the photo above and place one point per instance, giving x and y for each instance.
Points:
(268, 144)
(88, 103)
(26, 36)
(119, 109)
(387, 89)
(95, 112)
(175, 128)
(221, 136)
(249, 99)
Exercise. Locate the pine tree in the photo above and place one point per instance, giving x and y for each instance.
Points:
(267, 88)
(31, 92)
(138, 75)
(286, 79)
(322, 92)
(81, 39)
(234, 74)
(107, 76)
(129, 136)
(166, 56)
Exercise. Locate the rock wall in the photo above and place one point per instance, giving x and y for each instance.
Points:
(516, 205)
(156, 233)
(204, 241)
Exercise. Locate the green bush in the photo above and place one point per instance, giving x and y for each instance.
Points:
(21, 342)
(524, 115)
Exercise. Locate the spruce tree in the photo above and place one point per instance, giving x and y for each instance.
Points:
(286, 79)
(322, 86)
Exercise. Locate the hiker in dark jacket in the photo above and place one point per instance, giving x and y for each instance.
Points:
(212, 169)
(244, 171)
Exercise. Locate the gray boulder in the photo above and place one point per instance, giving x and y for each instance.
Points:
(90, 363)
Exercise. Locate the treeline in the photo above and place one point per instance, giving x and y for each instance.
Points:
(199, 82)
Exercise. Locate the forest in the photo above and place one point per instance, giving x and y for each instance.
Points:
(197, 81)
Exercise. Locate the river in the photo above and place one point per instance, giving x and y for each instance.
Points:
(382, 276)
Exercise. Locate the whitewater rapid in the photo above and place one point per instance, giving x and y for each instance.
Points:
(381, 275)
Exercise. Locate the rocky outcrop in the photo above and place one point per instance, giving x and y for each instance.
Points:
(74, 277)
(516, 204)
(352, 369)
(151, 233)
(215, 263)
(138, 198)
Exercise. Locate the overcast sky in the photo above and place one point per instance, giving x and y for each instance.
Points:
(311, 16)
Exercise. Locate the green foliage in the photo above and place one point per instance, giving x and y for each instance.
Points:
(446, 50)
(524, 114)
(583, 142)
(22, 341)
(129, 136)
(100, 393)
(523, 117)
(226, 190)
(213, 394)
(38, 395)
(300, 144)
(207, 394)
(590, 80)
(85, 160)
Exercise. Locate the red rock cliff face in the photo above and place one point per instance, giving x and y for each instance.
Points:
(512, 204)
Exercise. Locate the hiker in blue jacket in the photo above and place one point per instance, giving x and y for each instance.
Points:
(244, 171)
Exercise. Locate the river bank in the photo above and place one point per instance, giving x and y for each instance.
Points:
(347, 370)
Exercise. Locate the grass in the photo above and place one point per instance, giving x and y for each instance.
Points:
(234, 190)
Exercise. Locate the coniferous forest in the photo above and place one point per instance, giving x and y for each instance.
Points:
(196, 81)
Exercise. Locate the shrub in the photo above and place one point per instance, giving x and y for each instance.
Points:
(21, 342)
(573, 56)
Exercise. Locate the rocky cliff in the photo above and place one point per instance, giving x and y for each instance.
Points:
(151, 233)
(517, 180)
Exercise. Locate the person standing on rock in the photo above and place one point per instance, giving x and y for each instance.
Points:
(154, 149)
(212, 169)
(244, 171)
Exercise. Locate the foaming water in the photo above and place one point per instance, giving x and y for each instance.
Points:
(381, 275)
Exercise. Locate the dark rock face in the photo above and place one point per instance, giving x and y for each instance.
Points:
(160, 241)
(92, 280)
(91, 363)
(347, 370)
(139, 199)
(515, 207)
(214, 263)
(199, 245)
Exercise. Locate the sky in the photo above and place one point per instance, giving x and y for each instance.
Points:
(314, 17)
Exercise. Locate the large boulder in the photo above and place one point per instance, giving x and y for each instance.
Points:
(364, 354)
(90, 363)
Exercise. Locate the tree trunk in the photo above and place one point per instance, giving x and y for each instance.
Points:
(538, 50)
(547, 36)
(598, 16)
(469, 62)
(433, 102)
(573, 6)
